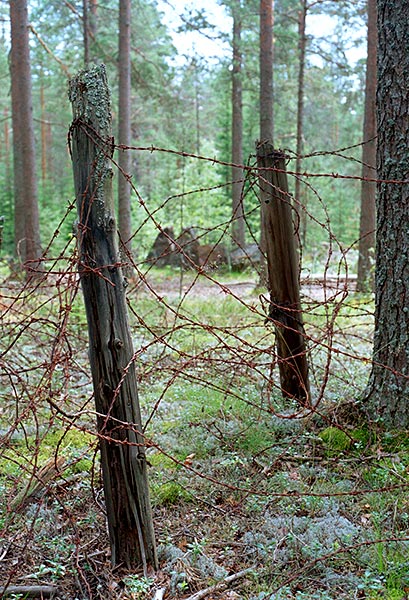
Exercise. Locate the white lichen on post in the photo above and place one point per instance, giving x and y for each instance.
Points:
(90, 97)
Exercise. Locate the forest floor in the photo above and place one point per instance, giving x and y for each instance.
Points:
(254, 498)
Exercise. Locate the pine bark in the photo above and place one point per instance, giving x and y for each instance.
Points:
(266, 15)
(123, 458)
(89, 25)
(388, 391)
(365, 281)
(27, 229)
(43, 135)
(124, 122)
(266, 70)
(92, 22)
(8, 178)
(85, 31)
(302, 16)
(238, 223)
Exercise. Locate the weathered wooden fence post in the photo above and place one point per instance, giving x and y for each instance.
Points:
(283, 274)
(122, 445)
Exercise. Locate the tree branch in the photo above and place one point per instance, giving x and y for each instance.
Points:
(205, 592)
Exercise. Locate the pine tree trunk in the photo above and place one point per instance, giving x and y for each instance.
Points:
(266, 70)
(388, 390)
(85, 30)
(365, 279)
(8, 184)
(238, 224)
(43, 136)
(266, 101)
(6, 217)
(18, 184)
(300, 205)
(124, 119)
(111, 352)
(93, 25)
(89, 29)
(27, 229)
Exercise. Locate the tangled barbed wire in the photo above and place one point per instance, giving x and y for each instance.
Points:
(240, 477)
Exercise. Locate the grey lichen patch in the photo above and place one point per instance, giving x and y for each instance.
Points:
(187, 568)
(105, 219)
(90, 97)
(91, 104)
(92, 143)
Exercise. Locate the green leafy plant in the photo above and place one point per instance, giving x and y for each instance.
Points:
(137, 587)
(197, 548)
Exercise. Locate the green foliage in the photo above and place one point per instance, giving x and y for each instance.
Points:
(53, 570)
(363, 437)
(395, 441)
(197, 119)
(137, 586)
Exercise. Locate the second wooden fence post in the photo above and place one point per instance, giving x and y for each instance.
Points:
(283, 274)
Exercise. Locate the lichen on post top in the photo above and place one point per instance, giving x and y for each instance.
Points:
(96, 103)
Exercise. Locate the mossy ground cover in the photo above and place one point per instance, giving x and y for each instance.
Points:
(313, 504)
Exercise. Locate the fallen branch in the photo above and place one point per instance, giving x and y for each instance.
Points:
(29, 591)
(203, 593)
(38, 482)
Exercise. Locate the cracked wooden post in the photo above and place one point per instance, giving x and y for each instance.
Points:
(283, 274)
(111, 352)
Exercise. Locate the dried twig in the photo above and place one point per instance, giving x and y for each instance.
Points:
(49, 51)
(29, 591)
(205, 592)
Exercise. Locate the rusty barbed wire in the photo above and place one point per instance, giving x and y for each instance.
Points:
(207, 372)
